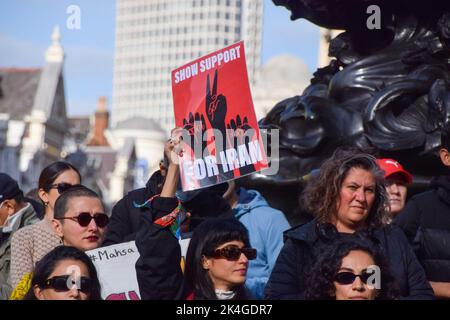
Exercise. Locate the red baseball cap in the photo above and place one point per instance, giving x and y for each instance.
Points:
(391, 166)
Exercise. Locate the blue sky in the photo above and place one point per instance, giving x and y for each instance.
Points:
(26, 27)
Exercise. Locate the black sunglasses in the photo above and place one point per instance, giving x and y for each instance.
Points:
(233, 253)
(84, 218)
(62, 283)
(349, 277)
(63, 186)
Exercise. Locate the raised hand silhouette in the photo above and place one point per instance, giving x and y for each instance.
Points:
(195, 125)
(243, 133)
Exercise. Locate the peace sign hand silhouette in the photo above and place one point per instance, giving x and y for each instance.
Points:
(216, 105)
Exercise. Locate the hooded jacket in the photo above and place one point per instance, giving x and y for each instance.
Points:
(265, 226)
(300, 251)
(426, 223)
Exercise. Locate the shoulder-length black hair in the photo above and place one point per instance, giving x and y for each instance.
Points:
(319, 278)
(48, 263)
(209, 235)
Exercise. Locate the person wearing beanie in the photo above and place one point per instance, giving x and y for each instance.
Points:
(15, 213)
(397, 181)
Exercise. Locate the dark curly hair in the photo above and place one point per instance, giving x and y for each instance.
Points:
(322, 192)
(319, 277)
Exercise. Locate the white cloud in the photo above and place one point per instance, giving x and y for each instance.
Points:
(19, 53)
(81, 60)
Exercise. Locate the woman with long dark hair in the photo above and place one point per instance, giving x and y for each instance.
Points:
(30, 244)
(216, 262)
(217, 257)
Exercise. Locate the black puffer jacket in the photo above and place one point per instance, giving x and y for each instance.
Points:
(426, 223)
(300, 251)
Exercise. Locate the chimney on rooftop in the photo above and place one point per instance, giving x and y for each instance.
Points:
(101, 123)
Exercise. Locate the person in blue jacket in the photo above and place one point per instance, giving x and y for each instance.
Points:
(265, 226)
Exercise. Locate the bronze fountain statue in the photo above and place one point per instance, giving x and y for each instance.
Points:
(386, 91)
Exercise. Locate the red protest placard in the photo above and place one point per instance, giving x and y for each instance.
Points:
(213, 103)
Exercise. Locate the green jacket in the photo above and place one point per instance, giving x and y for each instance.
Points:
(28, 217)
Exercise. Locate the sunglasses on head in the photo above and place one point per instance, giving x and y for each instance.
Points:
(63, 186)
(349, 277)
(62, 283)
(84, 218)
(233, 253)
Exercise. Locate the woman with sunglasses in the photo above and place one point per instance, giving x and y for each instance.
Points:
(79, 219)
(350, 268)
(216, 262)
(30, 244)
(217, 258)
(347, 195)
(65, 273)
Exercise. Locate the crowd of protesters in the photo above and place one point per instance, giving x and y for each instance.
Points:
(365, 242)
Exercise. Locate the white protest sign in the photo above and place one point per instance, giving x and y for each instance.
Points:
(116, 269)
